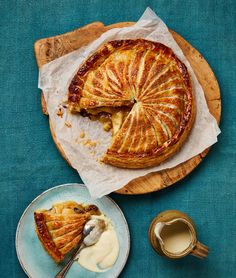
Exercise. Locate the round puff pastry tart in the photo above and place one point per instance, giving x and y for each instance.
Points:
(140, 90)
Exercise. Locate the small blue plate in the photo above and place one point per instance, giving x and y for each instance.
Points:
(34, 259)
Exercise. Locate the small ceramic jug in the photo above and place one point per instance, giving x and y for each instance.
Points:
(173, 234)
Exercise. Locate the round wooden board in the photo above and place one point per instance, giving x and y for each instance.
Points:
(162, 179)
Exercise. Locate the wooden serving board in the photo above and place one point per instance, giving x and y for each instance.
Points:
(48, 49)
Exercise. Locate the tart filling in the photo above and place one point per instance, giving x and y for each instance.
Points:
(111, 118)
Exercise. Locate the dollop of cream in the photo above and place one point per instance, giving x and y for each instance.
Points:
(101, 256)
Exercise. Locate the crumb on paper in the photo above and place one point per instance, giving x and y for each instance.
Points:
(64, 103)
(85, 142)
(82, 134)
(60, 112)
(93, 153)
(99, 160)
(64, 99)
(89, 143)
(68, 124)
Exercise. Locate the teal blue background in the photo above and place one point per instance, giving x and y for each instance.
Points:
(30, 162)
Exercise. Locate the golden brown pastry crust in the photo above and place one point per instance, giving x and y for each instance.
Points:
(45, 237)
(149, 77)
(60, 228)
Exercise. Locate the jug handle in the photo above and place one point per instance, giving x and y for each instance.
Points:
(200, 250)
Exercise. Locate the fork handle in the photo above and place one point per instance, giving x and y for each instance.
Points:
(64, 270)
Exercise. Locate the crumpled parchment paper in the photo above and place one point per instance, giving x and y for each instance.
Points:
(84, 141)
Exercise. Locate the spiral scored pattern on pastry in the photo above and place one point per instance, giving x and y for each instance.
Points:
(147, 77)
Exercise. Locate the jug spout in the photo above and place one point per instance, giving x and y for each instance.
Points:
(158, 228)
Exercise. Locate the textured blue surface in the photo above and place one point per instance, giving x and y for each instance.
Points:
(30, 163)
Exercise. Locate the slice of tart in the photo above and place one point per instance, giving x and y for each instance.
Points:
(60, 228)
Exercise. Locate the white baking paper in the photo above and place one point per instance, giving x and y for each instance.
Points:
(101, 179)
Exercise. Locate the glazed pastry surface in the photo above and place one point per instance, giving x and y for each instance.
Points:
(60, 228)
(149, 82)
